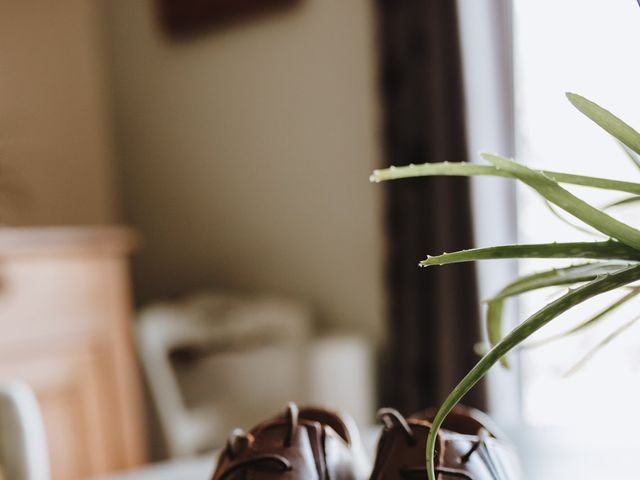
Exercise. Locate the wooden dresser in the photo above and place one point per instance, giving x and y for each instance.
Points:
(65, 328)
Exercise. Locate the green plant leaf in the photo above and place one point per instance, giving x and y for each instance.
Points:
(495, 311)
(631, 155)
(622, 201)
(607, 250)
(463, 169)
(608, 121)
(564, 220)
(593, 320)
(548, 278)
(603, 343)
(559, 276)
(577, 207)
(536, 321)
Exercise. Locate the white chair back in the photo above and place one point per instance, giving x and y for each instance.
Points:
(218, 360)
(23, 447)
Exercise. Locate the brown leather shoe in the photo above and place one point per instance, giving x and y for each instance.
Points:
(468, 446)
(302, 444)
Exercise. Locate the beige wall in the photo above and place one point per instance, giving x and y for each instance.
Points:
(245, 155)
(54, 149)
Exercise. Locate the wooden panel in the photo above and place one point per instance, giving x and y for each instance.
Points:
(82, 414)
(65, 321)
(66, 426)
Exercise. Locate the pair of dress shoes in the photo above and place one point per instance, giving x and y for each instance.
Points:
(313, 443)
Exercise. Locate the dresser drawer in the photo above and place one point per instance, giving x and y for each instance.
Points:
(65, 317)
(41, 297)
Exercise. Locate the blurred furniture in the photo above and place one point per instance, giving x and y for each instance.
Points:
(220, 360)
(341, 375)
(65, 330)
(23, 446)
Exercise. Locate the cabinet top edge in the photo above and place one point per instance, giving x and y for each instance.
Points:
(21, 241)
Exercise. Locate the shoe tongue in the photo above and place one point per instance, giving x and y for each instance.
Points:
(279, 431)
(304, 450)
(270, 436)
(421, 429)
(396, 451)
(464, 420)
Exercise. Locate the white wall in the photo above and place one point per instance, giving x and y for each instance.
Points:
(245, 155)
(54, 142)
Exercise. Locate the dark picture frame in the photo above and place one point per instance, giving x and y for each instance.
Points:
(181, 18)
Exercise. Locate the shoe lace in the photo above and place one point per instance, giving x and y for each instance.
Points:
(239, 440)
(291, 416)
(480, 446)
(391, 418)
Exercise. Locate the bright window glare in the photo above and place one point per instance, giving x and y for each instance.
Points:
(589, 47)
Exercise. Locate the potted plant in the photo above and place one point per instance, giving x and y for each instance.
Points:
(602, 266)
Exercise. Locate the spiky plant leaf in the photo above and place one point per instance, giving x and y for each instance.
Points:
(608, 121)
(564, 199)
(536, 321)
(631, 155)
(458, 169)
(607, 250)
(603, 343)
(591, 321)
(535, 281)
(566, 221)
(582, 272)
(495, 314)
(622, 201)
(626, 245)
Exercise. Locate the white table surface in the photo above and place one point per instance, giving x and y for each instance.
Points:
(201, 468)
(196, 468)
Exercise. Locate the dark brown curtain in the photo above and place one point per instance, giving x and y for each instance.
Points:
(433, 313)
